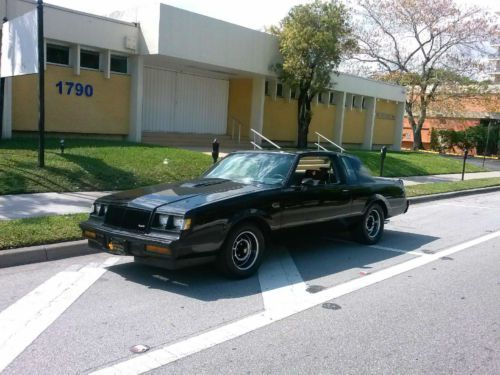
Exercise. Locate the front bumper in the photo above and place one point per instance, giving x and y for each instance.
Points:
(167, 251)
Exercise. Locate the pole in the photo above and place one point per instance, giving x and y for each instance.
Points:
(487, 141)
(41, 87)
(2, 96)
(466, 151)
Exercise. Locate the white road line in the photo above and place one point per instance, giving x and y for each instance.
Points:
(280, 281)
(22, 322)
(397, 250)
(168, 354)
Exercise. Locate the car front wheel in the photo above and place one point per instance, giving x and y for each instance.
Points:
(370, 228)
(242, 252)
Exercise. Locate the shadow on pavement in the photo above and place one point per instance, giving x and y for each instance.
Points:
(317, 252)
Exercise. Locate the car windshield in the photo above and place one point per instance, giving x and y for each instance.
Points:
(265, 168)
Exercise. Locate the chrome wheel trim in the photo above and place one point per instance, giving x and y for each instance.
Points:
(245, 250)
(373, 223)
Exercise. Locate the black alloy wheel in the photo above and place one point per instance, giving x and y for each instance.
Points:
(370, 228)
(242, 252)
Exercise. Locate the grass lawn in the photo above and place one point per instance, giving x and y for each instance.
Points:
(445, 187)
(89, 165)
(40, 230)
(403, 164)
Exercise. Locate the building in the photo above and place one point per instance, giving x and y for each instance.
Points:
(173, 72)
(456, 113)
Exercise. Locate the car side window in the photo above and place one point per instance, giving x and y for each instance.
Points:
(315, 170)
(355, 170)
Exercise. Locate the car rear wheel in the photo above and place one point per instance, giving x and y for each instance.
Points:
(370, 228)
(242, 252)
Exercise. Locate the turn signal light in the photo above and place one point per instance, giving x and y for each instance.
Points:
(89, 234)
(159, 249)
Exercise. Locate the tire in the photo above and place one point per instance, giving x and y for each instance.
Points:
(370, 228)
(242, 252)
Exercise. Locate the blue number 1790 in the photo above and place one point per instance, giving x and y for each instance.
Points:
(69, 87)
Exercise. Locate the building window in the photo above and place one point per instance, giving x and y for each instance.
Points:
(363, 103)
(89, 59)
(320, 97)
(118, 64)
(57, 54)
(266, 89)
(279, 90)
(332, 99)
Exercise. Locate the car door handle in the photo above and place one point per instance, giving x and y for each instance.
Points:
(345, 190)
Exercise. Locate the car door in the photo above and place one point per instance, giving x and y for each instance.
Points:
(306, 202)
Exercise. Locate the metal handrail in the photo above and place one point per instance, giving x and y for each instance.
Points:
(235, 122)
(256, 133)
(321, 147)
(255, 145)
(328, 140)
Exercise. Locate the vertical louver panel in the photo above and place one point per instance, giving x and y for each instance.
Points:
(159, 100)
(176, 102)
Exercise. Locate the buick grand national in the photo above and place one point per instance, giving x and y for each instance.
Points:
(227, 214)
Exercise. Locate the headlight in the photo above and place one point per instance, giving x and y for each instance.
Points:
(163, 220)
(178, 222)
(100, 209)
(171, 222)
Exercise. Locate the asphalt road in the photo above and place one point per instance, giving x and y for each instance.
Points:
(426, 299)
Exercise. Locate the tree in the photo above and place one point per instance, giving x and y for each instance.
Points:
(312, 40)
(429, 46)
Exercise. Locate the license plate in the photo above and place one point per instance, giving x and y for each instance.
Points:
(117, 246)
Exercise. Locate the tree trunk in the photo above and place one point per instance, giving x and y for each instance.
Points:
(304, 116)
(415, 126)
(417, 138)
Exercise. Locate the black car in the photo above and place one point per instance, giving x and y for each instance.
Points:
(227, 214)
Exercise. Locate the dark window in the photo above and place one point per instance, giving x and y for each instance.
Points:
(356, 170)
(332, 99)
(279, 90)
(266, 90)
(363, 103)
(57, 54)
(354, 102)
(320, 97)
(89, 59)
(118, 64)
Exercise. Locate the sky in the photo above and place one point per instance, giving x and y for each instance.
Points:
(254, 14)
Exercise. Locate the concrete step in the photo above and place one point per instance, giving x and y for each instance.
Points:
(194, 141)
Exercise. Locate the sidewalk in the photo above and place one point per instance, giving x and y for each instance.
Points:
(46, 204)
(415, 180)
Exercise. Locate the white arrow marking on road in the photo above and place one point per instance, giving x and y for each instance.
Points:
(22, 322)
(168, 354)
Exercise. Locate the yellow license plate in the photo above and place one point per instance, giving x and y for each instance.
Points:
(116, 246)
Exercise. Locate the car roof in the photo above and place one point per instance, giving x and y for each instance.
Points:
(289, 152)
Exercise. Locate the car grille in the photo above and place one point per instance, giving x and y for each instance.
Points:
(127, 218)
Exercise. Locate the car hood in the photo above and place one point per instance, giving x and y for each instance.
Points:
(181, 196)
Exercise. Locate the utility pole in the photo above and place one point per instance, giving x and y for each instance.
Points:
(41, 87)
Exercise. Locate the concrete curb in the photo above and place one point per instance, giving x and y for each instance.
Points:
(44, 253)
(453, 194)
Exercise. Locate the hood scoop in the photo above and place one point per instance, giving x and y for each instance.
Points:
(202, 183)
